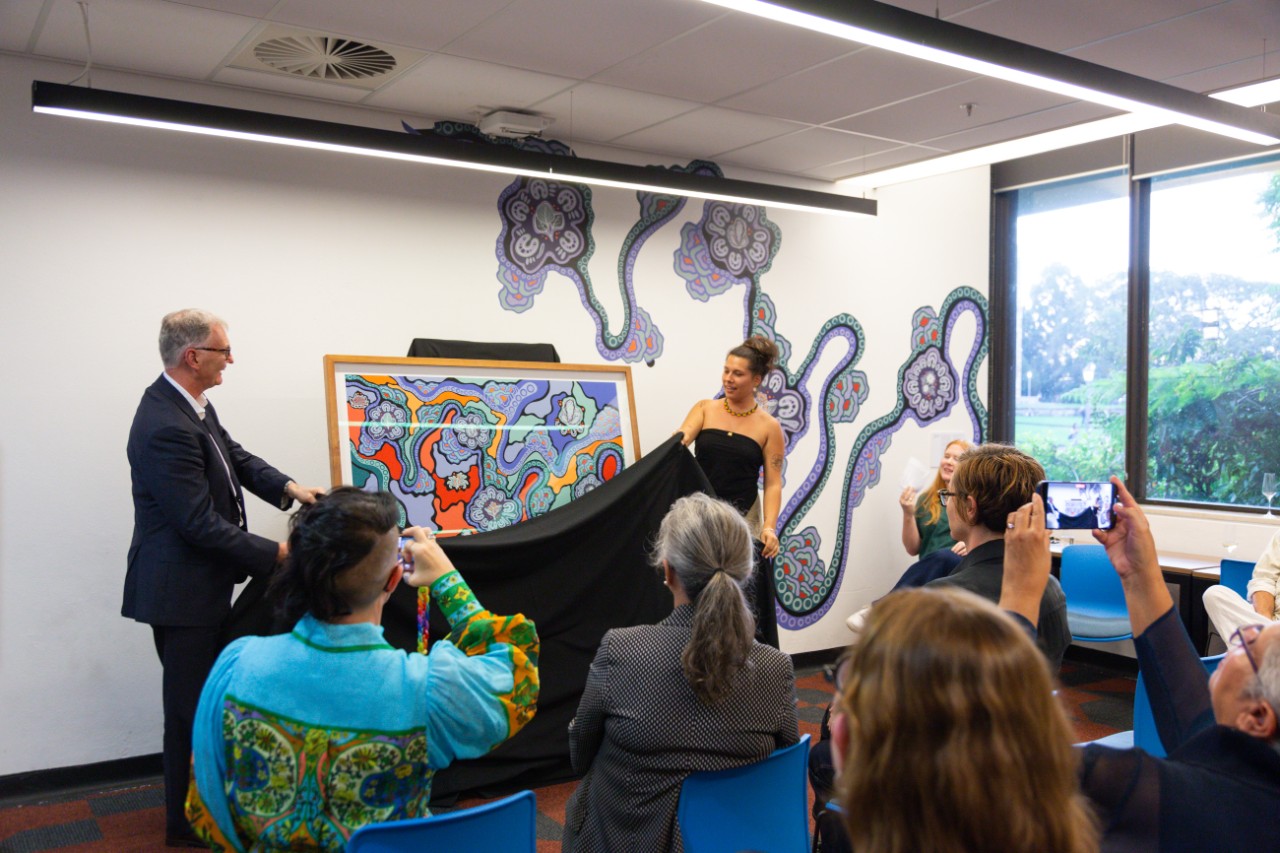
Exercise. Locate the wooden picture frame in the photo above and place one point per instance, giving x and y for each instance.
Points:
(469, 446)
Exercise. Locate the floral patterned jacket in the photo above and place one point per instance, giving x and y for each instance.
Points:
(302, 738)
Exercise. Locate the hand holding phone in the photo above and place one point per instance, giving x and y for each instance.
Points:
(1077, 506)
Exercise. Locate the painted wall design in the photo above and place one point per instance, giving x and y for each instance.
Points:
(545, 227)
(479, 455)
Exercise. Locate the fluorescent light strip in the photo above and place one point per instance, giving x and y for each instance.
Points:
(398, 146)
(971, 63)
(1252, 95)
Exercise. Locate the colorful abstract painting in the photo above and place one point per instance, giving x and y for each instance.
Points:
(469, 449)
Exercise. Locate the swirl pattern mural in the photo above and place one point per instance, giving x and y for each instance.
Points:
(547, 227)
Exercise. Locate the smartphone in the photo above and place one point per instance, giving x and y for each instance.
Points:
(1077, 506)
(406, 563)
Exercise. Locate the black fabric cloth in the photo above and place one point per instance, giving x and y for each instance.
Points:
(482, 350)
(576, 572)
(981, 571)
(732, 463)
(1219, 788)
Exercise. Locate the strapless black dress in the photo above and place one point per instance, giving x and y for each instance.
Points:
(732, 463)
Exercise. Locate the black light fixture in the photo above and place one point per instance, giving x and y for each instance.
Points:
(924, 37)
(77, 102)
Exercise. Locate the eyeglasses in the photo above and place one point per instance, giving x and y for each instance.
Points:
(944, 495)
(1244, 637)
(226, 351)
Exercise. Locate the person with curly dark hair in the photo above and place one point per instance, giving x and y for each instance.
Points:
(302, 738)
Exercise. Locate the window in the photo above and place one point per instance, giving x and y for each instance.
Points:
(1213, 383)
(1203, 397)
(1071, 297)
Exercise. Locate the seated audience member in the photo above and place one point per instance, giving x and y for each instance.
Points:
(694, 692)
(990, 483)
(302, 738)
(1228, 611)
(948, 737)
(1219, 788)
(925, 530)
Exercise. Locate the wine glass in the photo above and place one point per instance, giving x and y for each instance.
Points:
(1269, 490)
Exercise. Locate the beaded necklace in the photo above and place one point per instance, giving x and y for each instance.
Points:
(750, 411)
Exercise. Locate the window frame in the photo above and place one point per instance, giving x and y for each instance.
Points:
(1002, 375)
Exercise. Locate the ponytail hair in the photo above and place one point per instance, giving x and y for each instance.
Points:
(760, 353)
(708, 545)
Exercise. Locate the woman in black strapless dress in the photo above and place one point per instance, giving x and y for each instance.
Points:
(735, 439)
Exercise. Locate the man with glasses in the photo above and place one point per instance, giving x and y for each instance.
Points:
(1219, 788)
(990, 482)
(191, 545)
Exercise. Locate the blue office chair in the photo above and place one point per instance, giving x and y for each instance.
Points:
(762, 806)
(1235, 575)
(1144, 722)
(1096, 612)
(506, 825)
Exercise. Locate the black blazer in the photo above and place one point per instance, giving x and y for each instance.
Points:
(190, 545)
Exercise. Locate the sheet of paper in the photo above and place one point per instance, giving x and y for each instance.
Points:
(915, 474)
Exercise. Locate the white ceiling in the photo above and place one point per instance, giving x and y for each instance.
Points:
(676, 79)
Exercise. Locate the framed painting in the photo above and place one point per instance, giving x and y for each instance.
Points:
(469, 446)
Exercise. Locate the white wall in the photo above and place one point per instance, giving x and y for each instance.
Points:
(103, 229)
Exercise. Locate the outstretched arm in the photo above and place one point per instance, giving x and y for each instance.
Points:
(1026, 561)
(1132, 552)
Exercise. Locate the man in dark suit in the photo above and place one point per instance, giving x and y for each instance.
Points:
(190, 543)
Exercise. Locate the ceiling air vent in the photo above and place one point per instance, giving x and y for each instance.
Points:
(324, 57)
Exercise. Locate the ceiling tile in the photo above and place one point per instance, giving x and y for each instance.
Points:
(706, 132)
(1062, 26)
(939, 113)
(18, 19)
(423, 24)
(872, 163)
(447, 87)
(561, 37)
(603, 113)
(1021, 125)
(805, 149)
(851, 84)
(142, 35)
(290, 85)
(734, 53)
(1225, 33)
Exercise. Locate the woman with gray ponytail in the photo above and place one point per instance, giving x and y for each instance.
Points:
(694, 692)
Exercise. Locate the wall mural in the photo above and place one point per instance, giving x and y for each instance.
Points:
(545, 226)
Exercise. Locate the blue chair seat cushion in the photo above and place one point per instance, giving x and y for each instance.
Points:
(1085, 624)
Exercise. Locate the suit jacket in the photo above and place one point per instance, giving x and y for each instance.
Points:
(190, 544)
(641, 729)
(982, 573)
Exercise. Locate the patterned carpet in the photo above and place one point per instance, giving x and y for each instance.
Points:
(128, 819)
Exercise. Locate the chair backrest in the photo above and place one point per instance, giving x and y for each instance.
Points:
(1144, 722)
(506, 824)
(762, 806)
(1096, 610)
(1235, 576)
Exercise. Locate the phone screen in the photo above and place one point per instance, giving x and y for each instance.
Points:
(1077, 506)
(405, 563)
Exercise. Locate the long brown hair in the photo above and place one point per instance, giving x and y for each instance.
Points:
(956, 741)
(708, 545)
(929, 497)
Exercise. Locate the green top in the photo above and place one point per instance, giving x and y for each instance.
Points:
(933, 537)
